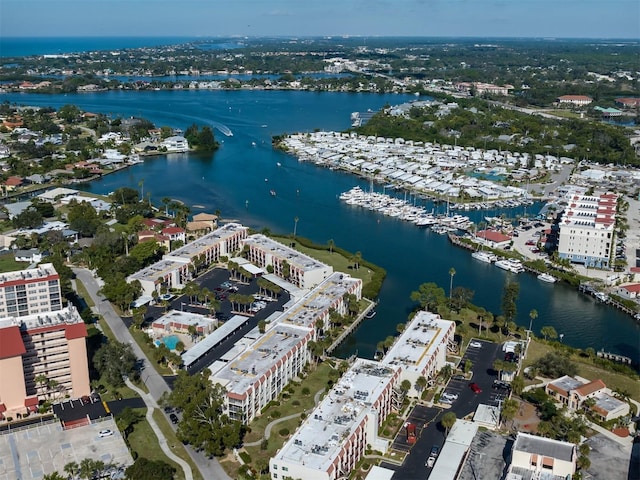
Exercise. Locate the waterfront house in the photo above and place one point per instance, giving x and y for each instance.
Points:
(538, 457)
(493, 238)
(13, 183)
(630, 291)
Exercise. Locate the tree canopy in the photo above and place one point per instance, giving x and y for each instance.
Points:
(204, 423)
(143, 469)
(114, 360)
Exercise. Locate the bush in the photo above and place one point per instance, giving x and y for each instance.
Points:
(554, 365)
(283, 432)
(276, 414)
(246, 458)
(264, 444)
(295, 403)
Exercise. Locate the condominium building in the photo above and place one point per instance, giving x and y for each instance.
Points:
(318, 303)
(255, 374)
(578, 100)
(176, 269)
(421, 349)
(334, 437)
(295, 267)
(30, 291)
(50, 346)
(586, 229)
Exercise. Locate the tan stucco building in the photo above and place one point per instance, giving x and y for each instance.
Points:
(51, 345)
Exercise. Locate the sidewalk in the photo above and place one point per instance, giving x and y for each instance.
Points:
(151, 406)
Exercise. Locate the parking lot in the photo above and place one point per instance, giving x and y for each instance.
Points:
(464, 401)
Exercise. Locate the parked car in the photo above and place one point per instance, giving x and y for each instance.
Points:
(430, 462)
(458, 376)
(168, 409)
(500, 385)
(435, 450)
(475, 388)
(450, 396)
(475, 344)
(174, 418)
(105, 433)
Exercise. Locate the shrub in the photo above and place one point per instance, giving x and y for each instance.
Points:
(276, 414)
(306, 391)
(264, 444)
(295, 403)
(283, 432)
(246, 458)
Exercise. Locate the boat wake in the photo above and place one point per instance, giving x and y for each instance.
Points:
(223, 129)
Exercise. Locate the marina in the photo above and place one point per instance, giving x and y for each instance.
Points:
(231, 180)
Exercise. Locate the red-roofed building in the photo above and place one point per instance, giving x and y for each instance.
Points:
(51, 344)
(628, 102)
(493, 238)
(174, 233)
(577, 100)
(12, 183)
(630, 291)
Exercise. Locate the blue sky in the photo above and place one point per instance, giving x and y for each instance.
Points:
(212, 18)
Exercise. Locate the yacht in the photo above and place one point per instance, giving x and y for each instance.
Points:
(510, 264)
(545, 277)
(485, 257)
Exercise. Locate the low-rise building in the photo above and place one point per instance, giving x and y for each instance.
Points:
(260, 372)
(421, 349)
(295, 267)
(336, 434)
(179, 322)
(579, 393)
(577, 100)
(48, 345)
(544, 457)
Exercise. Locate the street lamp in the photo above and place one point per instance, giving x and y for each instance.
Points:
(295, 227)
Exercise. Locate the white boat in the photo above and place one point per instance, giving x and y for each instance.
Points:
(545, 277)
(510, 264)
(485, 257)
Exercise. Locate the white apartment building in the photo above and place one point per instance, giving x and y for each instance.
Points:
(175, 270)
(335, 435)
(30, 291)
(295, 267)
(421, 349)
(260, 371)
(587, 229)
(317, 304)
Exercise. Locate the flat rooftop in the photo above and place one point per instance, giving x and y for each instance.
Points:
(31, 453)
(566, 383)
(30, 275)
(319, 439)
(544, 446)
(214, 338)
(314, 304)
(415, 346)
(183, 318)
(205, 242)
(159, 269)
(66, 316)
(260, 357)
(277, 249)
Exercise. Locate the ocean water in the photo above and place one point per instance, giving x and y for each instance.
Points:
(238, 177)
(23, 46)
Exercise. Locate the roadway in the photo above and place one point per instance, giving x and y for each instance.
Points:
(209, 468)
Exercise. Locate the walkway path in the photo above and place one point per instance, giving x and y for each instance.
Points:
(269, 427)
(209, 468)
(151, 406)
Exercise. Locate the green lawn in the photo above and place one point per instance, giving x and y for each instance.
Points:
(9, 264)
(176, 444)
(145, 443)
(336, 260)
(82, 292)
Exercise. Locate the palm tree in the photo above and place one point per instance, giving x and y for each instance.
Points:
(71, 469)
(448, 420)
(165, 201)
(452, 272)
(533, 314)
(141, 185)
(331, 244)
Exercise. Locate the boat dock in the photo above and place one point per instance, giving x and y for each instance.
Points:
(614, 357)
(349, 330)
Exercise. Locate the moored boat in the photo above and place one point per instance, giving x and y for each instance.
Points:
(510, 264)
(545, 277)
(484, 256)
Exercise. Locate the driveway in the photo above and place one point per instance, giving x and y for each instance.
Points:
(209, 468)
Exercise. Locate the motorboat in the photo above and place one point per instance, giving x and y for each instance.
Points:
(545, 277)
(485, 257)
(510, 264)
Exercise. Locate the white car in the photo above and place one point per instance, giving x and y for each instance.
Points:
(105, 433)
(450, 396)
(430, 462)
(475, 344)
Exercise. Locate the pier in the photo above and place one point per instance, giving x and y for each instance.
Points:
(614, 357)
(349, 330)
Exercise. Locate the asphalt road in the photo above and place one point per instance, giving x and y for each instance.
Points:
(209, 468)
(432, 432)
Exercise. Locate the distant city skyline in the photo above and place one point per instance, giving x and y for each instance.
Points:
(422, 18)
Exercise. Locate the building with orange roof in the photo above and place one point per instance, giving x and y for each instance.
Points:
(573, 392)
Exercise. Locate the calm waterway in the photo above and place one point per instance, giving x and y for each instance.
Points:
(237, 179)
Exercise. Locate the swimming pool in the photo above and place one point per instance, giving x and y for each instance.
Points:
(170, 341)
